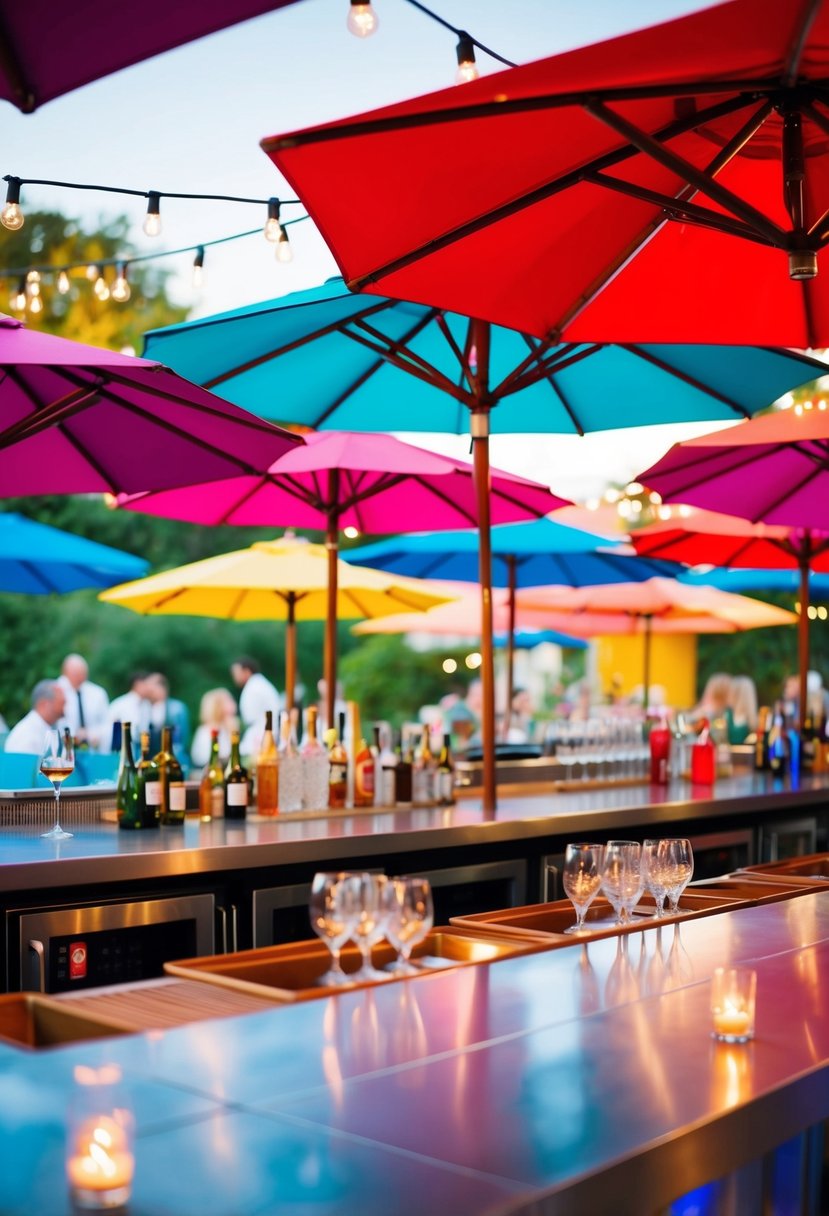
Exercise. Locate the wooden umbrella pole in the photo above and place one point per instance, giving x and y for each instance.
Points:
(290, 652)
(332, 536)
(647, 673)
(478, 376)
(511, 581)
(804, 557)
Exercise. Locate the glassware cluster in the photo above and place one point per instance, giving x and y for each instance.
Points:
(365, 908)
(599, 749)
(623, 870)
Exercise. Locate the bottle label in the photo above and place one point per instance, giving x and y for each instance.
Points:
(152, 793)
(217, 802)
(446, 786)
(178, 796)
(237, 793)
(337, 773)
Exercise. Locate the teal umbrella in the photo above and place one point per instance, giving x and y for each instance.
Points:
(36, 559)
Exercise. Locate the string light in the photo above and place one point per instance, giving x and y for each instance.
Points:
(467, 67)
(18, 300)
(93, 271)
(33, 283)
(273, 226)
(35, 305)
(11, 216)
(198, 267)
(121, 288)
(101, 289)
(63, 283)
(362, 20)
(152, 220)
(284, 252)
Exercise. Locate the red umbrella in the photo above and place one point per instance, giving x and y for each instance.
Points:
(772, 471)
(670, 185)
(75, 419)
(48, 49)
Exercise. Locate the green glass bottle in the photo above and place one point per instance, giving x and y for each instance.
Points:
(237, 788)
(173, 793)
(126, 790)
(148, 795)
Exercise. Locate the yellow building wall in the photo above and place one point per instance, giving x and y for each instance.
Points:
(673, 665)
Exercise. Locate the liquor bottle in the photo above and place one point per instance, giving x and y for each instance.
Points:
(148, 795)
(423, 773)
(778, 744)
(212, 785)
(446, 774)
(237, 789)
(403, 771)
(173, 793)
(387, 767)
(267, 771)
(809, 744)
(761, 743)
(289, 793)
(314, 766)
(364, 771)
(126, 790)
(337, 766)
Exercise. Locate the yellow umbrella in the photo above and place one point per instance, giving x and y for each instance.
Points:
(283, 579)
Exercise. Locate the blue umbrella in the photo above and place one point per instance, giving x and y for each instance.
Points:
(36, 559)
(537, 554)
(528, 639)
(326, 358)
(727, 579)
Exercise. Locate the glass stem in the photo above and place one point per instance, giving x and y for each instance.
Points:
(336, 965)
(57, 805)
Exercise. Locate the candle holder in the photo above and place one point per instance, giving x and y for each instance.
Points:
(99, 1146)
(733, 998)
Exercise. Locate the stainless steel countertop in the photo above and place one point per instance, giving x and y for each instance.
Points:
(102, 853)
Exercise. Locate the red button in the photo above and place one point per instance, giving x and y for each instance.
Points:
(77, 961)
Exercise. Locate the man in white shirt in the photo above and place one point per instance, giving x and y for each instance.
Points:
(257, 696)
(30, 733)
(87, 704)
(133, 707)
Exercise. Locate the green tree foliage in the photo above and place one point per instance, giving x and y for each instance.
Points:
(391, 681)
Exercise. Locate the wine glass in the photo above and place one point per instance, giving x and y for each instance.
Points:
(57, 761)
(582, 878)
(409, 917)
(622, 877)
(681, 872)
(366, 893)
(657, 872)
(333, 916)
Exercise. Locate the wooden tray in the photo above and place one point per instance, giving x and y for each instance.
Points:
(549, 921)
(291, 972)
(815, 866)
(28, 1019)
(756, 890)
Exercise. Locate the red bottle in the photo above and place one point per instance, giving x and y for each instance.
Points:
(660, 742)
(703, 759)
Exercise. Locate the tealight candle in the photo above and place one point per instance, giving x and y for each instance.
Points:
(99, 1160)
(733, 992)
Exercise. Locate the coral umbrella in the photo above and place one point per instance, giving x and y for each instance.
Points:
(75, 419)
(773, 472)
(374, 483)
(282, 579)
(669, 185)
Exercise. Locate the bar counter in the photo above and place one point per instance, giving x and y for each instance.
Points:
(580, 1080)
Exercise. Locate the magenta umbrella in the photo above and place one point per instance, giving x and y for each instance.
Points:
(773, 470)
(372, 482)
(75, 419)
(47, 49)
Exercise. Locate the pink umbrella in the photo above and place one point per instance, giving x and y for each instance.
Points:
(75, 419)
(372, 482)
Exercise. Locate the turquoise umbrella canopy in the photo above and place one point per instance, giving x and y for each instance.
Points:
(36, 559)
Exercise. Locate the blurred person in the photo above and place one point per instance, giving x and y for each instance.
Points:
(743, 709)
(133, 707)
(257, 696)
(30, 733)
(817, 697)
(715, 701)
(218, 711)
(87, 705)
(167, 711)
(521, 725)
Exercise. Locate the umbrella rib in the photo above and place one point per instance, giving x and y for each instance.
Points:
(321, 332)
(809, 314)
(793, 488)
(562, 396)
(447, 500)
(38, 575)
(560, 358)
(462, 356)
(802, 30)
(398, 354)
(648, 357)
(523, 201)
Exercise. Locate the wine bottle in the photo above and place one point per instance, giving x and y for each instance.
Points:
(761, 743)
(778, 744)
(808, 743)
(171, 778)
(403, 772)
(314, 766)
(363, 764)
(446, 774)
(126, 790)
(148, 797)
(290, 766)
(237, 790)
(337, 767)
(212, 785)
(267, 771)
(387, 765)
(423, 773)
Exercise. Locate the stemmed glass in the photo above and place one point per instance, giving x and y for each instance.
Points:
(622, 880)
(333, 913)
(409, 917)
(368, 895)
(681, 870)
(656, 869)
(56, 763)
(582, 878)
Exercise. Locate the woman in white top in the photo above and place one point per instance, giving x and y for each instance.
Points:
(216, 712)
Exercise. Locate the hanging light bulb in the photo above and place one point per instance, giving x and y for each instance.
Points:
(121, 287)
(11, 216)
(63, 282)
(93, 271)
(35, 305)
(152, 220)
(272, 224)
(467, 67)
(198, 267)
(18, 300)
(362, 20)
(101, 290)
(284, 252)
(33, 282)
